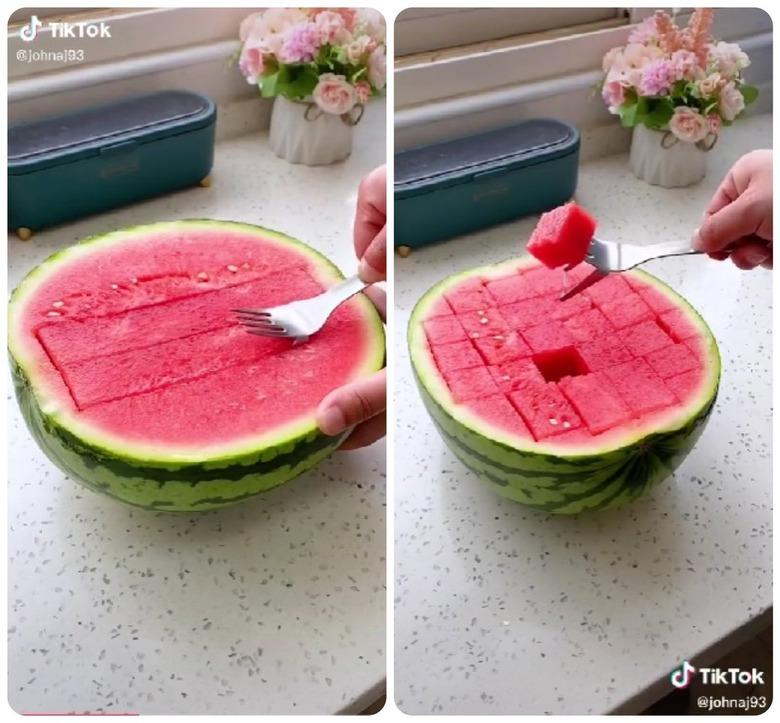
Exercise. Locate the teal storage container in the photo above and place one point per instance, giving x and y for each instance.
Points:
(466, 184)
(95, 159)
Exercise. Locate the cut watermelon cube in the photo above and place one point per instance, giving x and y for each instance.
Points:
(604, 351)
(657, 301)
(639, 386)
(545, 282)
(517, 374)
(643, 338)
(677, 324)
(471, 295)
(527, 313)
(562, 236)
(611, 287)
(599, 406)
(577, 304)
(443, 330)
(545, 410)
(627, 310)
(550, 336)
(501, 348)
(457, 355)
(589, 325)
(472, 383)
(483, 322)
(510, 289)
(669, 361)
(496, 410)
(684, 385)
(440, 307)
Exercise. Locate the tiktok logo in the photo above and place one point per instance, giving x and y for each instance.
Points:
(681, 677)
(29, 31)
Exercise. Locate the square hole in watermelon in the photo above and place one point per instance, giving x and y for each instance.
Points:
(545, 410)
(639, 386)
(554, 365)
(472, 383)
(443, 330)
(608, 289)
(510, 289)
(643, 338)
(595, 401)
(677, 325)
(527, 313)
(483, 322)
(589, 325)
(672, 360)
(626, 310)
(549, 336)
(457, 355)
(500, 348)
(516, 375)
(497, 410)
(469, 295)
(604, 351)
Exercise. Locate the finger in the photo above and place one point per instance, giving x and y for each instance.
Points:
(371, 210)
(373, 263)
(379, 298)
(727, 193)
(749, 254)
(718, 255)
(767, 264)
(366, 433)
(732, 222)
(352, 404)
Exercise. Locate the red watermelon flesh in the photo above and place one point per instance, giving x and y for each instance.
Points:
(562, 236)
(618, 362)
(136, 340)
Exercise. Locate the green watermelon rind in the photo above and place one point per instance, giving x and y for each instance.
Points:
(557, 478)
(145, 477)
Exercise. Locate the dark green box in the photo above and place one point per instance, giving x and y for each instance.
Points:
(88, 161)
(466, 184)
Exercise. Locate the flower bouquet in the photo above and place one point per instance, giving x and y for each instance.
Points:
(677, 88)
(322, 65)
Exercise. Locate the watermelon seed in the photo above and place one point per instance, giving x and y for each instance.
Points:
(498, 337)
(475, 335)
(484, 320)
(133, 280)
(53, 313)
(566, 425)
(232, 268)
(481, 312)
(114, 286)
(553, 421)
(506, 378)
(57, 304)
(203, 276)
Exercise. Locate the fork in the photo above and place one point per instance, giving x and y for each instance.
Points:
(299, 319)
(609, 256)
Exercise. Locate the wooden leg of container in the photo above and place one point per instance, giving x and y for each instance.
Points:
(24, 233)
(205, 182)
(404, 251)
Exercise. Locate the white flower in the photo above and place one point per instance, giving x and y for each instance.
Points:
(731, 102)
(728, 58)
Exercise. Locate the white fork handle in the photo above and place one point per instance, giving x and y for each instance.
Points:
(670, 248)
(340, 293)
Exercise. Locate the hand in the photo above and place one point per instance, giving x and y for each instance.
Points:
(738, 220)
(360, 403)
(370, 232)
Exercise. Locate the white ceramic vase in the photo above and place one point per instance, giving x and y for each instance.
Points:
(659, 158)
(302, 133)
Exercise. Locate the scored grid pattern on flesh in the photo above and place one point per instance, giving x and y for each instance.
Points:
(613, 355)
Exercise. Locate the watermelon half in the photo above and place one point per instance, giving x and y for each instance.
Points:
(134, 377)
(564, 406)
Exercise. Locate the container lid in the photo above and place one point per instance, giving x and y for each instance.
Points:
(458, 160)
(62, 139)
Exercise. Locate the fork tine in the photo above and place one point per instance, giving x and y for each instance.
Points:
(261, 325)
(251, 312)
(266, 332)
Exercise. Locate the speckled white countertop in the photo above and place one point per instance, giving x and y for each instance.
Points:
(500, 609)
(275, 606)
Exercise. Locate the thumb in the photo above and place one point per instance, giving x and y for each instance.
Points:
(373, 264)
(351, 404)
(732, 222)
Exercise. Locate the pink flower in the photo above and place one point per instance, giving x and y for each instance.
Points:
(358, 48)
(363, 91)
(251, 63)
(333, 94)
(377, 68)
(248, 24)
(645, 32)
(267, 30)
(331, 27)
(301, 44)
(657, 78)
(707, 86)
(688, 125)
(685, 65)
(728, 58)
(611, 58)
(731, 102)
(614, 95)
(372, 23)
(713, 123)
(348, 15)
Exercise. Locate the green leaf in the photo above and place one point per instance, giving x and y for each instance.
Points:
(659, 113)
(269, 84)
(628, 113)
(749, 93)
(299, 81)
